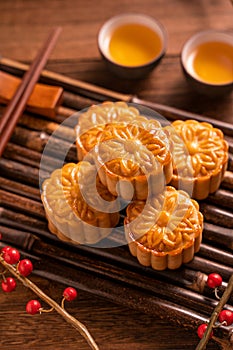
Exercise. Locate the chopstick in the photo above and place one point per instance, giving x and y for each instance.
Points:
(19, 100)
(100, 94)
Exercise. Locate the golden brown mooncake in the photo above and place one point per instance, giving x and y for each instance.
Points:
(92, 122)
(94, 119)
(203, 166)
(74, 210)
(165, 231)
(133, 162)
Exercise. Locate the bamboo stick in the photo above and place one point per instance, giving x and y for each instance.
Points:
(20, 189)
(222, 198)
(65, 130)
(199, 266)
(21, 172)
(117, 293)
(60, 148)
(106, 270)
(100, 94)
(31, 158)
(34, 123)
(219, 235)
(27, 205)
(37, 226)
(185, 277)
(213, 231)
(37, 140)
(227, 181)
(216, 254)
(217, 215)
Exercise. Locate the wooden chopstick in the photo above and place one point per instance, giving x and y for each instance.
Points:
(19, 100)
(100, 94)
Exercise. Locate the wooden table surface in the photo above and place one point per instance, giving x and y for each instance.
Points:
(23, 27)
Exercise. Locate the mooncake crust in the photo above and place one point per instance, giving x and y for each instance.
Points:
(165, 231)
(67, 209)
(205, 162)
(92, 122)
(132, 160)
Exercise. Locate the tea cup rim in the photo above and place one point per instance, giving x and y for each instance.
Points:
(114, 22)
(197, 39)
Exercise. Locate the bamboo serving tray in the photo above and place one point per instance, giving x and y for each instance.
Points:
(111, 273)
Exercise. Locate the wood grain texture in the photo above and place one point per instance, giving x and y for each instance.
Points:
(77, 55)
(104, 319)
(24, 25)
(43, 100)
(82, 19)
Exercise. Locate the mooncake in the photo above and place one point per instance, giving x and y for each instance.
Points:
(203, 163)
(92, 122)
(94, 119)
(133, 162)
(165, 231)
(77, 205)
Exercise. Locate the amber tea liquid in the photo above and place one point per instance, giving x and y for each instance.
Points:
(212, 62)
(134, 45)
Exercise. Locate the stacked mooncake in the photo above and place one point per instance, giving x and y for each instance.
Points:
(123, 154)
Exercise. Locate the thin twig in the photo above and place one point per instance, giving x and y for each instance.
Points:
(60, 310)
(226, 295)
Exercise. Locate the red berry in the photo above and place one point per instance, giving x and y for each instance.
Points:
(33, 307)
(11, 255)
(214, 280)
(4, 249)
(227, 316)
(25, 267)
(70, 293)
(201, 330)
(8, 285)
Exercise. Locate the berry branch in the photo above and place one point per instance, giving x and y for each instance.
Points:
(215, 315)
(8, 258)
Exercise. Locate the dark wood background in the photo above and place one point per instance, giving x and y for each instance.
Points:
(24, 25)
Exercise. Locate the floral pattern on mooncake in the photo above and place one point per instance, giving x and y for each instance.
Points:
(78, 207)
(92, 123)
(205, 161)
(132, 161)
(165, 231)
